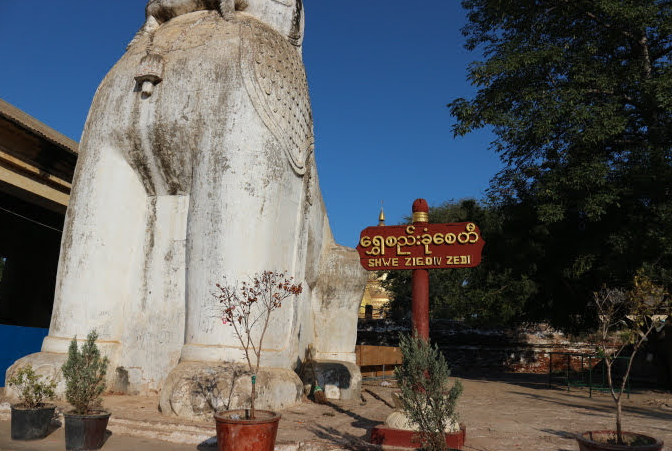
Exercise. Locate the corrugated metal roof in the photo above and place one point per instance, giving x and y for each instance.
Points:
(25, 120)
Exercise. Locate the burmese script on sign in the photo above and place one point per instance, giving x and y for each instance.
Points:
(426, 246)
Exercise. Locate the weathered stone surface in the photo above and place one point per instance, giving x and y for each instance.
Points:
(398, 419)
(338, 295)
(45, 364)
(197, 162)
(197, 390)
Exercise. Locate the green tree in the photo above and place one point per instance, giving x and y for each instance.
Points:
(579, 95)
(424, 390)
(84, 371)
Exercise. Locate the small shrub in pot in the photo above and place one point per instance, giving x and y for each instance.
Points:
(31, 417)
(425, 397)
(84, 372)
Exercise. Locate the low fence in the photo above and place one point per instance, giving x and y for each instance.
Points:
(377, 361)
(525, 349)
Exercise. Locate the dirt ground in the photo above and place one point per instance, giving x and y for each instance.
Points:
(513, 412)
(507, 413)
(521, 412)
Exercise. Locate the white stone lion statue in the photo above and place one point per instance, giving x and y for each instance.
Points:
(196, 162)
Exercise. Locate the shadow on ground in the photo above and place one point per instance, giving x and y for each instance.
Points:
(606, 409)
(360, 421)
(207, 445)
(343, 439)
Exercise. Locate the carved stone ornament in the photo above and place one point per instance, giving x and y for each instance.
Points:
(150, 72)
(275, 79)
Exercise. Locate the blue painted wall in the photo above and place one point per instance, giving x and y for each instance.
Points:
(18, 342)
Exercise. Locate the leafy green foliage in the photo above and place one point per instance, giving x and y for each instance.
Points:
(425, 397)
(579, 96)
(31, 389)
(84, 372)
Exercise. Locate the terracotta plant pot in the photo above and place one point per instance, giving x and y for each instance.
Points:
(598, 441)
(31, 424)
(235, 433)
(83, 432)
(381, 435)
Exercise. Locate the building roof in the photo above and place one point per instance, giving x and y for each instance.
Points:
(37, 163)
(28, 122)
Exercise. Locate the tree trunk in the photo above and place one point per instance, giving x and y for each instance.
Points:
(253, 395)
(619, 433)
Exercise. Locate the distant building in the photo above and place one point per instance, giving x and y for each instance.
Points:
(36, 169)
(376, 299)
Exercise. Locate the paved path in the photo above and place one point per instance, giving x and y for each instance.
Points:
(115, 442)
(503, 414)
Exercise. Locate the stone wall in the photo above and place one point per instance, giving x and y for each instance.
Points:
(479, 351)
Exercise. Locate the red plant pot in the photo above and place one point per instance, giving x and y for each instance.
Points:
(599, 441)
(381, 435)
(235, 433)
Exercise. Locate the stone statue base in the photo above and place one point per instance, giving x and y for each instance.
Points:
(399, 420)
(47, 364)
(196, 390)
(399, 431)
(339, 380)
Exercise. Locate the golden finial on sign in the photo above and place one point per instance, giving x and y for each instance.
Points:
(420, 211)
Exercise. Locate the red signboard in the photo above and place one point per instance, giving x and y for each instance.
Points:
(420, 246)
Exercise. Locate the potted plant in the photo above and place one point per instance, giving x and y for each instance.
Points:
(636, 314)
(31, 417)
(425, 398)
(247, 307)
(84, 372)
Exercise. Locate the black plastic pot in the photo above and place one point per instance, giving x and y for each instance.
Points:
(84, 432)
(31, 424)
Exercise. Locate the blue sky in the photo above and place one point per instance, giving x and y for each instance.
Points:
(380, 74)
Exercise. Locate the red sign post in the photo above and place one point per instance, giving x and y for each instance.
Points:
(420, 246)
